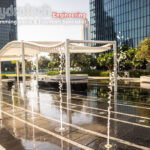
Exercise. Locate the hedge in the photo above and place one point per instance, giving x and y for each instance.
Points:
(52, 73)
(132, 74)
(89, 72)
(138, 73)
(4, 76)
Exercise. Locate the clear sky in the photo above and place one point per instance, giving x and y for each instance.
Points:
(53, 32)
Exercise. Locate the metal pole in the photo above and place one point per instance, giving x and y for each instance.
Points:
(0, 73)
(38, 101)
(115, 66)
(68, 83)
(68, 71)
(37, 70)
(24, 86)
(17, 69)
(115, 115)
(1, 98)
(0, 95)
(13, 109)
(115, 86)
(23, 65)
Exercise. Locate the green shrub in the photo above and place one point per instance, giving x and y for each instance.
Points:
(89, 72)
(104, 73)
(73, 71)
(132, 74)
(121, 74)
(138, 73)
(92, 73)
(4, 76)
(52, 73)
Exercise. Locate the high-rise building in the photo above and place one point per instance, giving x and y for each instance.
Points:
(8, 31)
(86, 30)
(127, 21)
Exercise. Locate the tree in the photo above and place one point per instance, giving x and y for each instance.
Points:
(54, 61)
(144, 50)
(106, 60)
(126, 60)
(131, 61)
(84, 61)
(43, 62)
(28, 65)
(53, 65)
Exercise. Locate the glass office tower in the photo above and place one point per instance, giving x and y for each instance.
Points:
(86, 31)
(127, 21)
(8, 32)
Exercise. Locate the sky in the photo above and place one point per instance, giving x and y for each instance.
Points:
(56, 32)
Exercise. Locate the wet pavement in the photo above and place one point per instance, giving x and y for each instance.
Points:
(30, 118)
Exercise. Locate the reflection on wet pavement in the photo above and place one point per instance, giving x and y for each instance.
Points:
(30, 118)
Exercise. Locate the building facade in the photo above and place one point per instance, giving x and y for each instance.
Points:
(8, 32)
(86, 30)
(127, 21)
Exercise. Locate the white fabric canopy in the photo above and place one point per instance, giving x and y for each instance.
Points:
(21, 50)
(13, 50)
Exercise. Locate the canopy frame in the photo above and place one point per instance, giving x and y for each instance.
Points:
(27, 50)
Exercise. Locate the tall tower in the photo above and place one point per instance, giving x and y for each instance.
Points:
(8, 32)
(86, 30)
(127, 21)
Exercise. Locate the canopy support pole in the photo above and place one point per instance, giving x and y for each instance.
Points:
(68, 70)
(0, 73)
(1, 94)
(17, 69)
(37, 70)
(68, 87)
(115, 66)
(23, 65)
(115, 87)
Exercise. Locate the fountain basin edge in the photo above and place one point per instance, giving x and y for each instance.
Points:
(145, 79)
